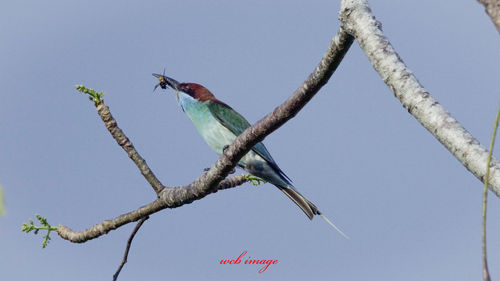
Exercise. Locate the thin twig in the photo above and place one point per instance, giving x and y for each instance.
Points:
(486, 273)
(209, 182)
(127, 249)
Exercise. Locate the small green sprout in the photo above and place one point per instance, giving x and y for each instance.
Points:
(93, 95)
(255, 180)
(45, 226)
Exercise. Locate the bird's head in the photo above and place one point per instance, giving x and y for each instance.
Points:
(194, 90)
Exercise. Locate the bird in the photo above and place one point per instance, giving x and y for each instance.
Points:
(219, 125)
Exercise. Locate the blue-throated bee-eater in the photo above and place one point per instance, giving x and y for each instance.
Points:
(219, 125)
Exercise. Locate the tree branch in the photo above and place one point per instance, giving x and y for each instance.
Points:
(339, 46)
(144, 211)
(209, 182)
(126, 144)
(359, 21)
(492, 8)
(127, 249)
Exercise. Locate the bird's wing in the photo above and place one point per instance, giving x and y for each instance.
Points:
(236, 123)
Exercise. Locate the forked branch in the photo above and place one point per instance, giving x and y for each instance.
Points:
(214, 179)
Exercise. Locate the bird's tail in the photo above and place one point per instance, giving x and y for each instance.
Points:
(307, 207)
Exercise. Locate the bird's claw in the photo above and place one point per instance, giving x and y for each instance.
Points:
(254, 180)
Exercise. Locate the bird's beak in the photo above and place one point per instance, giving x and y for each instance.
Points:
(164, 81)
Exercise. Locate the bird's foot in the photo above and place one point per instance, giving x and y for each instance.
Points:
(254, 180)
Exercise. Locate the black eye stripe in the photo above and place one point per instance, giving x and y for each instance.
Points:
(188, 90)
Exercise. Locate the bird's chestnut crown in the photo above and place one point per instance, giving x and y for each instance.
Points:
(199, 92)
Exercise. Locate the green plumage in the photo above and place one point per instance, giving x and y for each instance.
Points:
(236, 123)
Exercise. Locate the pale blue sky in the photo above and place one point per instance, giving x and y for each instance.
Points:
(412, 211)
